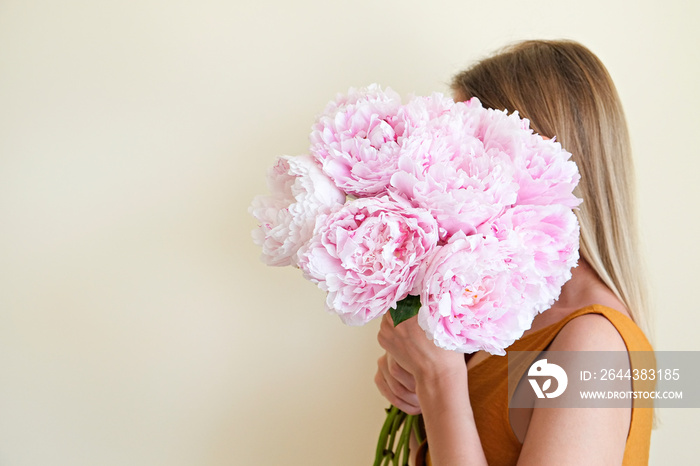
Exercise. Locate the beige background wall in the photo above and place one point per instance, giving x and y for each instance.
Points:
(137, 326)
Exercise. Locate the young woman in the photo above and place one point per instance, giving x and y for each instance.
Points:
(565, 92)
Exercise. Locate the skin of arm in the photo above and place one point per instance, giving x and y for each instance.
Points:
(418, 377)
(579, 436)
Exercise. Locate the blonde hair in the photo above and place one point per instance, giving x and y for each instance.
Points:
(566, 92)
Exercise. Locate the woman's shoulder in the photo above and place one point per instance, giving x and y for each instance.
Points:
(592, 328)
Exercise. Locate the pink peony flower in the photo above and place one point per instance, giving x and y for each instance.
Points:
(471, 295)
(483, 291)
(446, 169)
(355, 140)
(420, 111)
(366, 254)
(544, 172)
(300, 192)
(544, 243)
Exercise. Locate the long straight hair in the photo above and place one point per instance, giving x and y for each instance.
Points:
(567, 94)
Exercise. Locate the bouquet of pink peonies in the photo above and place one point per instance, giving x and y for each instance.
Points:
(451, 211)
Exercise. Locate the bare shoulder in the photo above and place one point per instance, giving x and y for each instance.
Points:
(579, 436)
(589, 332)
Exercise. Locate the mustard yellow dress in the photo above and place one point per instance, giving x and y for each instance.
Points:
(488, 392)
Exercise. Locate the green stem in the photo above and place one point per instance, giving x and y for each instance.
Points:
(417, 431)
(396, 425)
(403, 448)
(384, 435)
(386, 453)
(398, 421)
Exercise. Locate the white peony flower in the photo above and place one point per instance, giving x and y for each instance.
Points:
(300, 192)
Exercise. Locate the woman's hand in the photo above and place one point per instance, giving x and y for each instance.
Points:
(418, 377)
(411, 359)
(397, 385)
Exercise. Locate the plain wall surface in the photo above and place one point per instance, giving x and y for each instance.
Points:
(137, 325)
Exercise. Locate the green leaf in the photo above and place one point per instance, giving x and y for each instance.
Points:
(405, 309)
